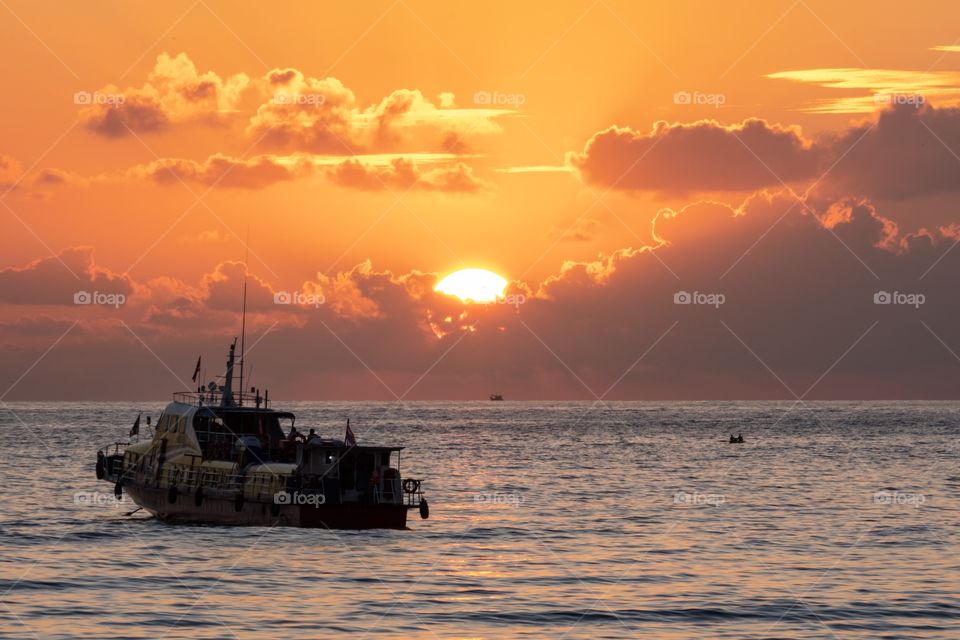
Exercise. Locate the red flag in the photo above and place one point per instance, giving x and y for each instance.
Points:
(350, 440)
(196, 371)
(135, 429)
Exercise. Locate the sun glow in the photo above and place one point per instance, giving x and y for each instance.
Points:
(473, 285)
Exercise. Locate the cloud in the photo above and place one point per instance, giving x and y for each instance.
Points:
(426, 172)
(581, 230)
(10, 171)
(799, 298)
(56, 279)
(294, 112)
(205, 237)
(216, 300)
(799, 282)
(907, 151)
(324, 116)
(37, 183)
(307, 113)
(223, 170)
(703, 156)
(403, 174)
(876, 88)
(224, 287)
(50, 177)
(175, 93)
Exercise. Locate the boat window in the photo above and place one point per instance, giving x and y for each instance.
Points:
(167, 423)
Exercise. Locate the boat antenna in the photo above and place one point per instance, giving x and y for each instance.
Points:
(243, 322)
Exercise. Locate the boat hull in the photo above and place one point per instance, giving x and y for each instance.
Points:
(223, 511)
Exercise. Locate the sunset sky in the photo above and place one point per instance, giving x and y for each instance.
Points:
(789, 169)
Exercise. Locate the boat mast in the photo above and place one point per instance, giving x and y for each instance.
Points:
(243, 322)
(226, 398)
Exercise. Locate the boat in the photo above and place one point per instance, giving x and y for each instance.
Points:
(225, 457)
(496, 396)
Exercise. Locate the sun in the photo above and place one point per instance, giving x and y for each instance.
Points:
(473, 285)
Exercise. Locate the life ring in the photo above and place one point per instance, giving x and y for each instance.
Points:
(198, 496)
(411, 486)
(172, 494)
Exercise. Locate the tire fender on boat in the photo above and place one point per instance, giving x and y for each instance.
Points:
(198, 496)
(424, 510)
(238, 502)
(172, 494)
(118, 489)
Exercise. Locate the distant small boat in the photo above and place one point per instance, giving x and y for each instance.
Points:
(496, 396)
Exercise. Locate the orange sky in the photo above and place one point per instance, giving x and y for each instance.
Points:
(370, 149)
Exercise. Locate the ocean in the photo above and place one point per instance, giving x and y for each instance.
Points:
(547, 520)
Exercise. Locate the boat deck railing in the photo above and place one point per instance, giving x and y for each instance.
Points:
(413, 498)
(202, 398)
(105, 450)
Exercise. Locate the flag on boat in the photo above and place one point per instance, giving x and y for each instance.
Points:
(350, 440)
(196, 372)
(135, 429)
